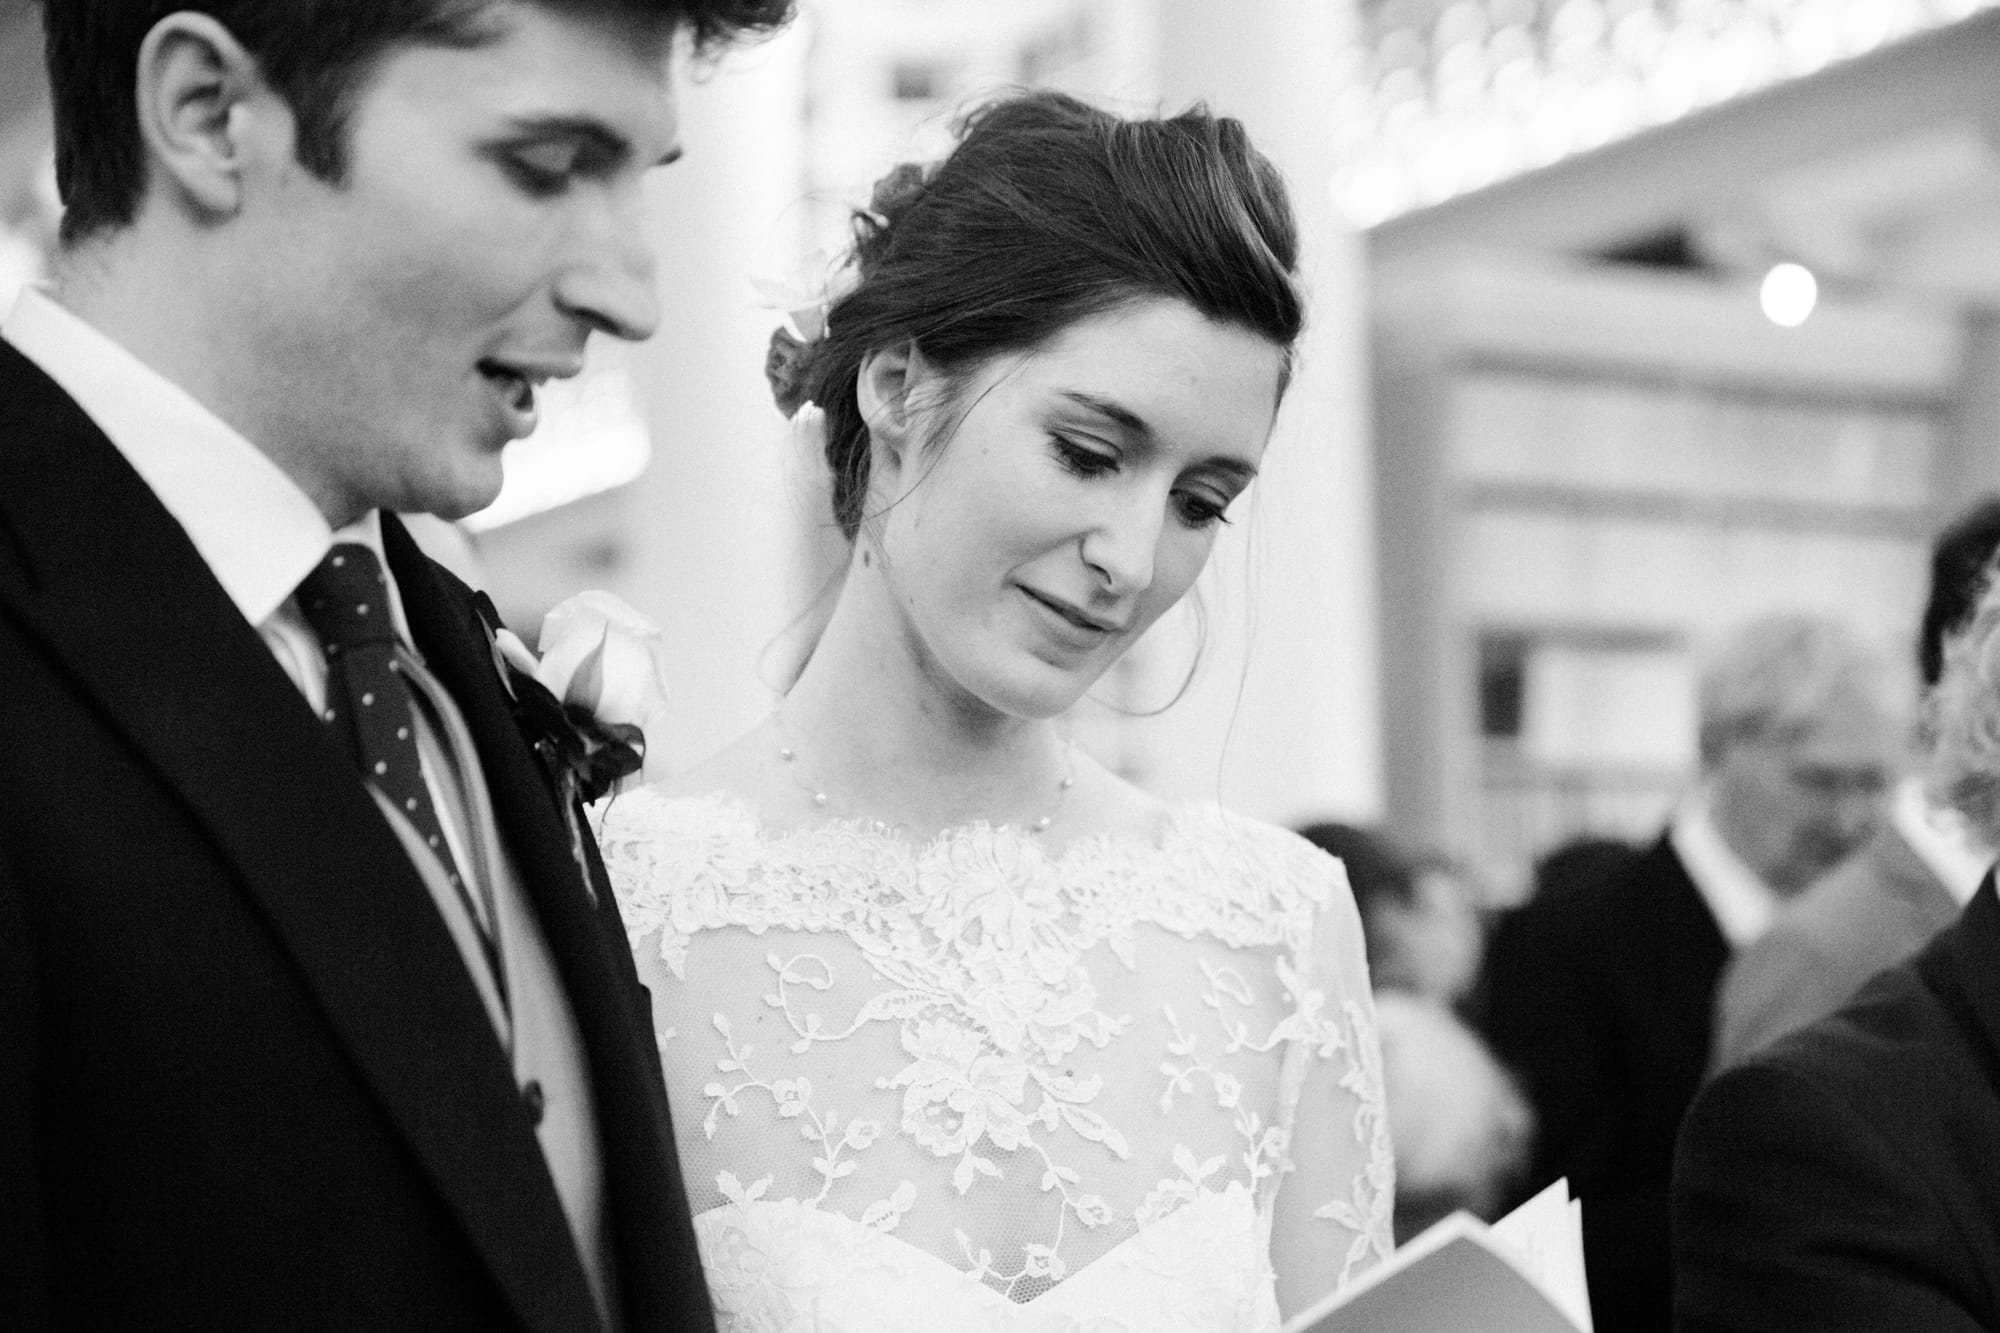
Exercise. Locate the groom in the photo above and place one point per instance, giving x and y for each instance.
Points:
(311, 1014)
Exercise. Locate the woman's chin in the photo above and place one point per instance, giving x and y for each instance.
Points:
(1049, 695)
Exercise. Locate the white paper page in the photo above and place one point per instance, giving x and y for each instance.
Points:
(1545, 1235)
(1523, 1272)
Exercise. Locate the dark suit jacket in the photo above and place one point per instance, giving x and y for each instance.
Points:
(245, 1079)
(1599, 995)
(1848, 1176)
(1870, 912)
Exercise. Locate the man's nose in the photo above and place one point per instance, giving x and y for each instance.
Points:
(1857, 806)
(1859, 810)
(609, 282)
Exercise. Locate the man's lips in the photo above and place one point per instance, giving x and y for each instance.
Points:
(518, 389)
(518, 380)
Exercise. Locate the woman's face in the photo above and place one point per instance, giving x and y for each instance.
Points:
(1074, 503)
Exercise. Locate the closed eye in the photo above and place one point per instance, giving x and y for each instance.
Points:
(1197, 509)
(1081, 460)
(543, 169)
(545, 154)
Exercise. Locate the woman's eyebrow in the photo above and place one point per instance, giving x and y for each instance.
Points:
(1234, 467)
(1117, 413)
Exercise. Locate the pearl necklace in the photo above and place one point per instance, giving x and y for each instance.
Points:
(789, 756)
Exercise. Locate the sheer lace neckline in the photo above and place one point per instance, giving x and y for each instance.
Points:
(1174, 822)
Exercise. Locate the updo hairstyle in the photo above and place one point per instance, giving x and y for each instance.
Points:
(1050, 211)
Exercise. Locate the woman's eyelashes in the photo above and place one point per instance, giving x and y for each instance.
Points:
(1081, 460)
(1198, 510)
(1193, 508)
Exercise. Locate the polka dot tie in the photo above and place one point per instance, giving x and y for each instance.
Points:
(369, 703)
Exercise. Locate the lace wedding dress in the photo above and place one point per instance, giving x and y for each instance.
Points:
(984, 1085)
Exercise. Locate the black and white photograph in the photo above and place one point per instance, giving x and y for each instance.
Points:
(938, 666)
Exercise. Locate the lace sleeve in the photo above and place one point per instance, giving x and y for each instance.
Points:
(1332, 1213)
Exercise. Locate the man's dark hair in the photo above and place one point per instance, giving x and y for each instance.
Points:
(1961, 560)
(315, 53)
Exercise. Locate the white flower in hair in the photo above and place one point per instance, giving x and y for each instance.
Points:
(807, 293)
(805, 297)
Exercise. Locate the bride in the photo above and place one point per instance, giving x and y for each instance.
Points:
(962, 1031)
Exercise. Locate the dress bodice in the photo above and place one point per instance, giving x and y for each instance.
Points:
(985, 1083)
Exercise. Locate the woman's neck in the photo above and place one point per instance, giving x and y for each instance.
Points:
(884, 737)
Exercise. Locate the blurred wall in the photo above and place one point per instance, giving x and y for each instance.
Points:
(712, 532)
(1288, 709)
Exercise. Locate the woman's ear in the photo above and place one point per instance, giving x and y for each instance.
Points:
(882, 390)
(194, 84)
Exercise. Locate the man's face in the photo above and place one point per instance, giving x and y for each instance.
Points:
(1794, 806)
(490, 219)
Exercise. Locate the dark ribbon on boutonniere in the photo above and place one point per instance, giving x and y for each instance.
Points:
(585, 758)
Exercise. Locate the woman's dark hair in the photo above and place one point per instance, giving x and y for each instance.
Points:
(316, 53)
(1050, 211)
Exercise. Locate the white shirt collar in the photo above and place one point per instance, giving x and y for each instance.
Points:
(1942, 839)
(257, 531)
(1741, 902)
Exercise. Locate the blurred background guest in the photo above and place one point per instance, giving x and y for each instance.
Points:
(1843, 1178)
(1600, 992)
(1908, 883)
(1581, 860)
(1458, 1121)
(1419, 919)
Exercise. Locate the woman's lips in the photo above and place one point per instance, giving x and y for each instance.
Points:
(1080, 621)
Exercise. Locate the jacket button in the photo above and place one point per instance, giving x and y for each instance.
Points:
(537, 1101)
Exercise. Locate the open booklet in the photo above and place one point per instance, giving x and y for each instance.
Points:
(1522, 1274)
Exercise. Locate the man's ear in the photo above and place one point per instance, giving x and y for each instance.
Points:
(882, 390)
(195, 82)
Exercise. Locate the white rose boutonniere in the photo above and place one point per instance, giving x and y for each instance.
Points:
(600, 655)
(587, 705)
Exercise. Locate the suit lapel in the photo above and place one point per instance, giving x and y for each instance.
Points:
(144, 630)
(659, 1273)
(1972, 949)
(1681, 908)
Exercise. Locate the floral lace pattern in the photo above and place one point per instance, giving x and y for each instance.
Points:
(1019, 1072)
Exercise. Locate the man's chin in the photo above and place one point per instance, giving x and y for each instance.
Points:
(1810, 873)
(459, 498)
(452, 513)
